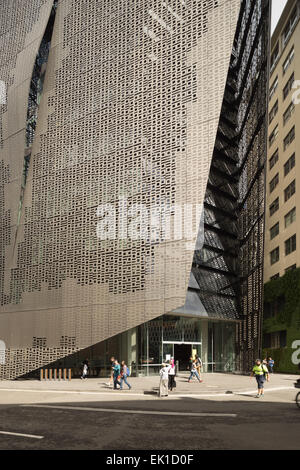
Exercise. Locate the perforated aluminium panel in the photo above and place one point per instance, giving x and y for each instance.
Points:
(130, 109)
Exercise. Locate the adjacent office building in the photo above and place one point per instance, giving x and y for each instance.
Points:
(132, 156)
(282, 235)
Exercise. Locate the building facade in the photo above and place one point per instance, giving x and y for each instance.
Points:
(132, 182)
(281, 325)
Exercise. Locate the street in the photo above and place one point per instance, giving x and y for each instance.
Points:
(81, 415)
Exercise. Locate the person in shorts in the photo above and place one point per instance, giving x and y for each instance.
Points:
(261, 373)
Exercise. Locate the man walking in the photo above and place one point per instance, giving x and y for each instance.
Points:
(261, 373)
(116, 374)
(271, 363)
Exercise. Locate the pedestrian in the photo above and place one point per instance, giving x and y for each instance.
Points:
(111, 378)
(164, 378)
(116, 375)
(194, 372)
(198, 365)
(85, 367)
(171, 374)
(271, 363)
(261, 373)
(125, 372)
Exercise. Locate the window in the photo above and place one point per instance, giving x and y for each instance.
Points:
(273, 88)
(289, 191)
(288, 60)
(288, 86)
(289, 27)
(289, 138)
(274, 206)
(291, 268)
(276, 276)
(275, 340)
(274, 159)
(288, 113)
(274, 56)
(290, 217)
(274, 182)
(271, 309)
(274, 231)
(289, 165)
(290, 245)
(273, 112)
(273, 136)
(274, 256)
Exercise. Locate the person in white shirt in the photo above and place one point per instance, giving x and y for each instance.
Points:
(172, 374)
(164, 378)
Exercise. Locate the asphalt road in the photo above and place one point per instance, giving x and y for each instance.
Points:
(135, 424)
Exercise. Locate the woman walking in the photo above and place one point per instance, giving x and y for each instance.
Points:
(171, 373)
(124, 375)
(194, 372)
(164, 378)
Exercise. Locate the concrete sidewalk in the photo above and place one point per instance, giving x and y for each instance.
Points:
(213, 384)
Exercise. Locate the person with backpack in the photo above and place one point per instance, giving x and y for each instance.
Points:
(261, 373)
(125, 372)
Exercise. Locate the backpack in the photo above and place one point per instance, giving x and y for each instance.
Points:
(127, 371)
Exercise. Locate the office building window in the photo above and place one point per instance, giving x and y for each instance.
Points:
(291, 268)
(289, 26)
(273, 88)
(274, 256)
(274, 159)
(274, 231)
(274, 207)
(274, 182)
(290, 217)
(289, 191)
(274, 56)
(288, 60)
(273, 112)
(273, 135)
(289, 138)
(288, 113)
(290, 245)
(289, 165)
(288, 86)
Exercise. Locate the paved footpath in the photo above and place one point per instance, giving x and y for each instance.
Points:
(222, 412)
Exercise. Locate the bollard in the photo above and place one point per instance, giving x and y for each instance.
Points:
(50, 374)
(65, 374)
(46, 374)
(70, 374)
(41, 374)
(55, 374)
(59, 374)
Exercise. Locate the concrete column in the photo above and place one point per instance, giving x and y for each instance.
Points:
(204, 329)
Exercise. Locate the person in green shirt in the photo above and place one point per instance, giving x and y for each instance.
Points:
(261, 373)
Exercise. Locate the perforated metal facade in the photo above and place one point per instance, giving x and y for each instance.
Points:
(129, 113)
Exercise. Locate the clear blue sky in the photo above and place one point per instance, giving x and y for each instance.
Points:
(277, 9)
